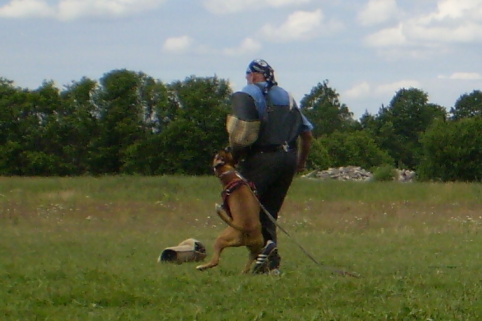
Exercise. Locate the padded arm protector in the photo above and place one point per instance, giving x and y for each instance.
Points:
(243, 124)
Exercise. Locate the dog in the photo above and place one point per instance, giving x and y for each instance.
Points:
(240, 211)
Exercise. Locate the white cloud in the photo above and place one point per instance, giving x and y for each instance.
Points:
(455, 9)
(462, 76)
(387, 37)
(453, 21)
(378, 11)
(74, 9)
(300, 25)
(25, 9)
(247, 46)
(360, 90)
(391, 88)
(364, 89)
(177, 44)
(233, 6)
(227, 6)
(282, 3)
(463, 32)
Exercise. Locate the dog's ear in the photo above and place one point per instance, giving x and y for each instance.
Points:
(220, 153)
(219, 160)
(228, 149)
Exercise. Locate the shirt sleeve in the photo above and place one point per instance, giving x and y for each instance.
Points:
(306, 125)
(259, 101)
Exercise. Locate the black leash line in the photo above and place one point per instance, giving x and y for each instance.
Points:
(272, 219)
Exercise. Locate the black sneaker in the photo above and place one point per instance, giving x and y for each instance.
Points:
(261, 265)
(274, 260)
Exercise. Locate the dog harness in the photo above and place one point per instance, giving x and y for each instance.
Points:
(231, 187)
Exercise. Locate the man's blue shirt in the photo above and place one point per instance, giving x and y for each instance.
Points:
(277, 96)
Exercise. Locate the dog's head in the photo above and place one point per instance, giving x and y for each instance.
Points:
(223, 161)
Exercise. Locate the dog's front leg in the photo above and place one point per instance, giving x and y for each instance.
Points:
(219, 246)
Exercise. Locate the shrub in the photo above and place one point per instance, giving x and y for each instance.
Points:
(384, 173)
(354, 148)
(452, 151)
(318, 157)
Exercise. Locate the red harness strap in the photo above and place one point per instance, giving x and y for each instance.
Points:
(231, 187)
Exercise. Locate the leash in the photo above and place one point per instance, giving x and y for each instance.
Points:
(272, 219)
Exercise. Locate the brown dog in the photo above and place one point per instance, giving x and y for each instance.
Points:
(244, 226)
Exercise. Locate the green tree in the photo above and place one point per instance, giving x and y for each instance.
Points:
(202, 101)
(468, 105)
(397, 128)
(356, 148)
(13, 102)
(184, 149)
(324, 110)
(31, 139)
(318, 158)
(79, 124)
(123, 112)
(43, 143)
(159, 109)
(191, 128)
(452, 151)
(368, 122)
(202, 106)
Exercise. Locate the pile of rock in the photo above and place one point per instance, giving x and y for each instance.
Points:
(348, 173)
(356, 173)
(405, 175)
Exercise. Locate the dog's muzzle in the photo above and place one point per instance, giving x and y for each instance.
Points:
(190, 250)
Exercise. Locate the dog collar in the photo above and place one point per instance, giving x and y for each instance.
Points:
(227, 173)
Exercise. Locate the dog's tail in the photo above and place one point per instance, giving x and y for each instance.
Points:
(226, 218)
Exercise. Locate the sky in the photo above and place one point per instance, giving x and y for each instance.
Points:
(366, 49)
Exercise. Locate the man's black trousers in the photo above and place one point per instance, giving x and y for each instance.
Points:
(272, 174)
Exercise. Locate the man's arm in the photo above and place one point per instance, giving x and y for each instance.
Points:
(305, 144)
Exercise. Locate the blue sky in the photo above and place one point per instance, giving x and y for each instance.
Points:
(367, 49)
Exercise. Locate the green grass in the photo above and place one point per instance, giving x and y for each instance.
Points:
(86, 249)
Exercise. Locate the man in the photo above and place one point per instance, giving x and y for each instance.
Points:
(272, 160)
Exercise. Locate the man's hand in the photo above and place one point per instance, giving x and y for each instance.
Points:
(300, 168)
(306, 138)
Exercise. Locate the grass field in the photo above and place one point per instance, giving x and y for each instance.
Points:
(86, 249)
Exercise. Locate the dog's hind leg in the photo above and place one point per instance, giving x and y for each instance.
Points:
(254, 250)
(252, 256)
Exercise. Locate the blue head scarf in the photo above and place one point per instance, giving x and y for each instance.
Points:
(261, 66)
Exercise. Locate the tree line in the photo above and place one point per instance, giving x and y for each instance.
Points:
(130, 123)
